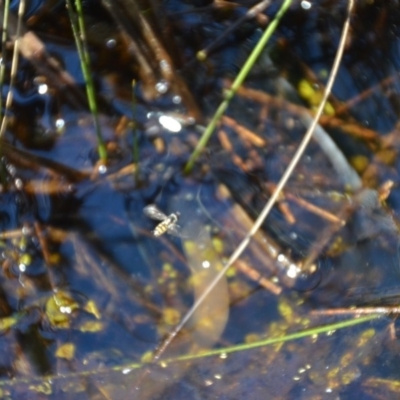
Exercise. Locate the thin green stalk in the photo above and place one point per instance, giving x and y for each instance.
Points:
(218, 352)
(3, 53)
(236, 84)
(79, 32)
(270, 341)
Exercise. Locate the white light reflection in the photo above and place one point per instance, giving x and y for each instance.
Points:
(162, 87)
(111, 43)
(306, 5)
(293, 271)
(60, 123)
(102, 169)
(170, 123)
(43, 88)
(177, 99)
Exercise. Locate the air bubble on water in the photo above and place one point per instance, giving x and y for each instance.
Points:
(18, 183)
(177, 99)
(164, 65)
(110, 43)
(60, 123)
(293, 271)
(26, 230)
(60, 126)
(102, 169)
(11, 169)
(162, 87)
(43, 88)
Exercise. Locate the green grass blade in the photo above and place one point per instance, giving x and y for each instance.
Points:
(78, 29)
(281, 339)
(236, 84)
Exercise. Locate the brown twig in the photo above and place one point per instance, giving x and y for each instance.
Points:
(34, 50)
(309, 206)
(245, 133)
(351, 128)
(154, 61)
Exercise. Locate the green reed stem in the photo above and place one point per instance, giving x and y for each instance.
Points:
(79, 32)
(236, 84)
(281, 339)
(135, 365)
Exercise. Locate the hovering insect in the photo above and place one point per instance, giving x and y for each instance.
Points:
(168, 222)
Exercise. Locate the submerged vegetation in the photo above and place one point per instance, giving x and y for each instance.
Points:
(199, 199)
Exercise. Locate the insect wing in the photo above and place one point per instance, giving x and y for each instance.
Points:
(175, 230)
(153, 212)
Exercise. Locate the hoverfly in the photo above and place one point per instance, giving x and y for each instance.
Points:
(168, 222)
